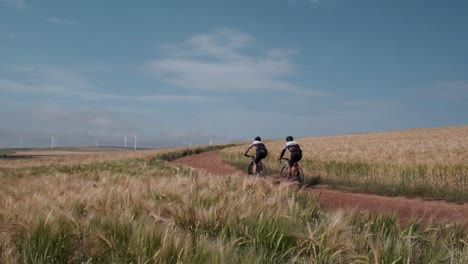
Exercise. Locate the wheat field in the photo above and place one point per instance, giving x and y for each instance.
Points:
(134, 207)
(145, 210)
(431, 163)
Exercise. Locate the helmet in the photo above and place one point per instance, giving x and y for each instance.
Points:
(289, 138)
(258, 138)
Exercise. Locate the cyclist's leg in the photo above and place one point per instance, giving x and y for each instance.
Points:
(295, 157)
(298, 159)
(290, 167)
(259, 155)
(256, 160)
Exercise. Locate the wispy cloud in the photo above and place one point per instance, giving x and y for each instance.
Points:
(76, 125)
(20, 4)
(222, 60)
(57, 20)
(84, 125)
(12, 36)
(57, 81)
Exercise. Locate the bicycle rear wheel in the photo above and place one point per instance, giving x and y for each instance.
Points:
(250, 169)
(261, 169)
(284, 172)
(299, 175)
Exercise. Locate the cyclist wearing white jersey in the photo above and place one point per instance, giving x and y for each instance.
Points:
(296, 153)
(261, 152)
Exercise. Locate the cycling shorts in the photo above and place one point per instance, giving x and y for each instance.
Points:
(295, 157)
(260, 154)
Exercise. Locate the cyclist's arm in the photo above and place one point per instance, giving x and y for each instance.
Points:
(247, 151)
(282, 153)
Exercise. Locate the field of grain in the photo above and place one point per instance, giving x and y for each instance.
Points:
(431, 163)
(134, 207)
(50, 157)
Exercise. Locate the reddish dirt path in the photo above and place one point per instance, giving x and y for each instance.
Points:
(406, 208)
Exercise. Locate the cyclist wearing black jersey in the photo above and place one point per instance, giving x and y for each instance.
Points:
(261, 152)
(296, 153)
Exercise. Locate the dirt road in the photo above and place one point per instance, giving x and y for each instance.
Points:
(406, 208)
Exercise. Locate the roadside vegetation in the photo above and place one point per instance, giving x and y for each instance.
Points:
(140, 209)
(427, 163)
(6, 152)
(172, 155)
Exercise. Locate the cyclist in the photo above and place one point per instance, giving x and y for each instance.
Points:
(296, 153)
(261, 152)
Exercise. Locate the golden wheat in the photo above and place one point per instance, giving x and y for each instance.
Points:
(447, 145)
(145, 211)
(425, 162)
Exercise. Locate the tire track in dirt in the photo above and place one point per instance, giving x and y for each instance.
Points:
(406, 208)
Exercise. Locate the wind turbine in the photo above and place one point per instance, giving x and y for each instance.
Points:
(52, 141)
(135, 142)
(125, 139)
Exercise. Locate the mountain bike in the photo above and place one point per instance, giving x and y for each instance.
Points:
(297, 175)
(261, 169)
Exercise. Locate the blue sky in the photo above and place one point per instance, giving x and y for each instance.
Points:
(174, 72)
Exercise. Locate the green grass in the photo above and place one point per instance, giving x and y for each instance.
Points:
(428, 182)
(6, 152)
(151, 212)
(131, 167)
(185, 152)
(298, 235)
(127, 167)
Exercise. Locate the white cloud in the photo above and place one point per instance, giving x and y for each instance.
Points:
(222, 44)
(57, 81)
(20, 4)
(219, 61)
(72, 123)
(57, 20)
(83, 125)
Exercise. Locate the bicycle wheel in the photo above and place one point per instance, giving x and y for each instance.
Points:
(300, 176)
(261, 169)
(250, 169)
(284, 172)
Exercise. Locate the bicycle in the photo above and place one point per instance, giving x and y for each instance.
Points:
(261, 169)
(298, 172)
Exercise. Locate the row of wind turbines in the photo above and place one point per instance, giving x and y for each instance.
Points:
(53, 142)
